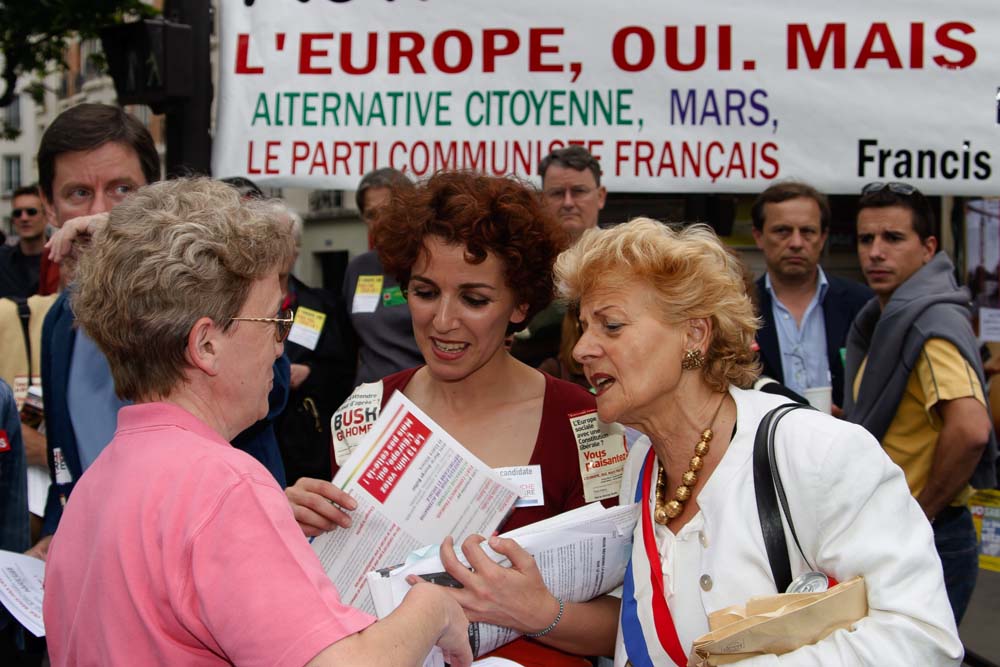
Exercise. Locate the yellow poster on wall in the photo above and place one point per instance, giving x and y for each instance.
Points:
(985, 506)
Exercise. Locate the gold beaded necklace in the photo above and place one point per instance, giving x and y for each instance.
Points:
(665, 511)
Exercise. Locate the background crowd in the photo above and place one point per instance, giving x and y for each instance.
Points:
(177, 319)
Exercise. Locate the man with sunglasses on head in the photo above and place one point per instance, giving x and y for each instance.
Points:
(914, 377)
(19, 263)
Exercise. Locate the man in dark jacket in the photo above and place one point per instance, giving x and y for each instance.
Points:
(806, 313)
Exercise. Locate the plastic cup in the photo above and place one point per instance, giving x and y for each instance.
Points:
(820, 398)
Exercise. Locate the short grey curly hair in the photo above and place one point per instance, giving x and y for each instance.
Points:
(171, 253)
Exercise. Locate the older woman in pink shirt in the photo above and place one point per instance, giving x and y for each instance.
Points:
(176, 548)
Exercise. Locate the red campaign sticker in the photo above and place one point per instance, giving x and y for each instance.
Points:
(381, 476)
(4, 441)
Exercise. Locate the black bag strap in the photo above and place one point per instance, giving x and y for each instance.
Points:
(770, 491)
(24, 312)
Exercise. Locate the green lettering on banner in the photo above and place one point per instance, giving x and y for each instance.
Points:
(258, 112)
(307, 109)
(442, 107)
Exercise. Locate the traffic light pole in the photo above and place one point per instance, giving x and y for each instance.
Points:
(189, 144)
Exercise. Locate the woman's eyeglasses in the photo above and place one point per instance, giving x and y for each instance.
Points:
(282, 323)
(904, 189)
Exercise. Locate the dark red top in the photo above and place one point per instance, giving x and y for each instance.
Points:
(555, 448)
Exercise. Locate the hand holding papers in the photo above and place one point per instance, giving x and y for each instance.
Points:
(414, 485)
(580, 555)
(779, 624)
(21, 580)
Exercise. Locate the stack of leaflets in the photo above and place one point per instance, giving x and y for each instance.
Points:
(581, 554)
(414, 485)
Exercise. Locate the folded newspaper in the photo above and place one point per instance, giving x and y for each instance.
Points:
(414, 485)
(778, 624)
(581, 554)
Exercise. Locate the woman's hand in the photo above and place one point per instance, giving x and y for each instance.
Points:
(454, 639)
(319, 506)
(74, 234)
(513, 597)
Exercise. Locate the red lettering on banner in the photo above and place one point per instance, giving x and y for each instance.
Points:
(673, 49)
(346, 42)
(646, 45)
(713, 160)
(917, 45)
(832, 32)
(251, 169)
(944, 38)
(307, 52)
(270, 157)
(397, 52)
(464, 51)
(879, 32)
(725, 47)
(537, 48)
(491, 50)
(879, 46)
(396, 455)
(242, 50)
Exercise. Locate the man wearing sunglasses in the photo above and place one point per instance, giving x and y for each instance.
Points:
(19, 263)
(914, 377)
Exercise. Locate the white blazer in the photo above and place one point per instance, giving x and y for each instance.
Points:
(853, 514)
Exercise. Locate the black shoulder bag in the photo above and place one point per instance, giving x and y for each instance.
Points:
(770, 491)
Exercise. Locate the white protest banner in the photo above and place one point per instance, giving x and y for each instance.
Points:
(670, 96)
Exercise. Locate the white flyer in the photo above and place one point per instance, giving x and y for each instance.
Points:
(581, 554)
(21, 589)
(414, 485)
(603, 450)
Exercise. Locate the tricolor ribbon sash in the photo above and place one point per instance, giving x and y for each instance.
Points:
(647, 627)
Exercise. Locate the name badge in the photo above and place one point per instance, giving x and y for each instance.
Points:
(20, 387)
(367, 294)
(603, 450)
(307, 327)
(528, 480)
(393, 296)
(63, 475)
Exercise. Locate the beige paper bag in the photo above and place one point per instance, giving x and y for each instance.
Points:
(778, 623)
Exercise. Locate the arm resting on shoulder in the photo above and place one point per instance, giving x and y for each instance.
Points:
(965, 431)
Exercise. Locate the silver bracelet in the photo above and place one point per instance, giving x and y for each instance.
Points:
(553, 624)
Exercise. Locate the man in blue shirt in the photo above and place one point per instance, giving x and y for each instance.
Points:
(806, 313)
